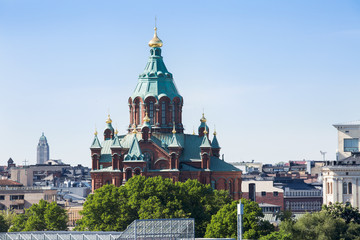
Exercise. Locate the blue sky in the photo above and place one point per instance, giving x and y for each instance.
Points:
(273, 76)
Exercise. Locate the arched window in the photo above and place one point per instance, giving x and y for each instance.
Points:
(350, 188)
(128, 174)
(345, 188)
(137, 171)
(163, 113)
(151, 112)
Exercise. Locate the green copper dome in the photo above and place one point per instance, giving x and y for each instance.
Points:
(156, 80)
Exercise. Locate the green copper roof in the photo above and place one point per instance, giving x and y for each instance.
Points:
(95, 143)
(134, 151)
(116, 142)
(174, 141)
(205, 143)
(215, 143)
(156, 80)
(219, 165)
(109, 126)
(203, 125)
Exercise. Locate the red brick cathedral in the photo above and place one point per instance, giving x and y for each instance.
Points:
(156, 143)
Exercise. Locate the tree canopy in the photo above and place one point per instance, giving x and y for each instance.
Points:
(224, 223)
(333, 222)
(113, 208)
(43, 216)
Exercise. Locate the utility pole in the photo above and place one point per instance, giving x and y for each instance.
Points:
(240, 212)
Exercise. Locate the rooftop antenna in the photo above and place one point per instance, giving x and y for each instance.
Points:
(25, 162)
(323, 154)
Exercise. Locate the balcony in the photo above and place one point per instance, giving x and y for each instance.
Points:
(18, 202)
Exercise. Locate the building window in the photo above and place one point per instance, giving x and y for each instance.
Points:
(263, 193)
(252, 192)
(2, 197)
(151, 112)
(350, 188)
(163, 113)
(276, 194)
(351, 145)
(345, 188)
(213, 184)
(16, 197)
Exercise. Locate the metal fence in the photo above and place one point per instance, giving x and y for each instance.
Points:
(160, 229)
(180, 229)
(60, 235)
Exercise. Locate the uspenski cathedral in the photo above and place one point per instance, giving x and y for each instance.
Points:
(156, 144)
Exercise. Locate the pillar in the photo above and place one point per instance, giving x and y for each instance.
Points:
(340, 190)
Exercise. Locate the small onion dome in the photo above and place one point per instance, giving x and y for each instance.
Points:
(146, 118)
(203, 119)
(155, 41)
(173, 131)
(109, 119)
(134, 131)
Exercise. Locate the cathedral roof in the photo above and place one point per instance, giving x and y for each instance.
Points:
(116, 142)
(190, 149)
(134, 151)
(205, 143)
(215, 143)
(155, 80)
(95, 143)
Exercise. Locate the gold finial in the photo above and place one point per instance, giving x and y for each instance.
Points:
(146, 118)
(155, 41)
(109, 119)
(174, 131)
(193, 131)
(214, 130)
(205, 132)
(95, 133)
(203, 119)
(116, 131)
(134, 131)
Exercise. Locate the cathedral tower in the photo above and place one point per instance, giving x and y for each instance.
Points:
(156, 95)
(42, 150)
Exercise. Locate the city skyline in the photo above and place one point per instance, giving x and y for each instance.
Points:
(272, 77)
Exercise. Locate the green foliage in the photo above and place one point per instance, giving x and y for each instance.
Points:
(285, 216)
(43, 216)
(4, 226)
(280, 235)
(344, 211)
(318, 225)
(8, 217)
(224, 223)
(113, 208)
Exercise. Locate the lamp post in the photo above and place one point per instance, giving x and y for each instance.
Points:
(240, 212)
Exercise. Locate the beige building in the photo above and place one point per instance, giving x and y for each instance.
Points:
(348, 138)
(17, 197)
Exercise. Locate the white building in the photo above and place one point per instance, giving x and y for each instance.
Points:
(341, 181)
(348, 138)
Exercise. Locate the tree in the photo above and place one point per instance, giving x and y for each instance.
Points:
(43, 216)
(8, 217)
(4, 226)
(113, 208)
(280, 235)
(344, 211)
(318, 225)
(224, 223)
